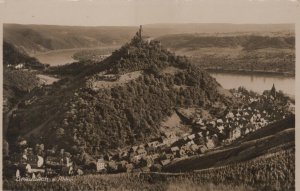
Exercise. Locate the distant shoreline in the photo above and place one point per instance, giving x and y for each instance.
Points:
(258, 72)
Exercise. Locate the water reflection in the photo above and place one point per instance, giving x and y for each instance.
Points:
(256, 82)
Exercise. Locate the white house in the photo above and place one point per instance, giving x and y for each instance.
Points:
(220, 121)
(230, 115)
(19, 66)
(191, 137)
(210, 143)
(235, 133)
(100, 165)
(200, 122)
(40, 161)
(221, 128)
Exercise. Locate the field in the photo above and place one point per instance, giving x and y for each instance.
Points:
(125, 78)
(58, 57)
(270, 172)
(48, 80)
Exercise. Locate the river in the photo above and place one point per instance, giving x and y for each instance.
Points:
(256, 82)
(65, 56)
(58, 57)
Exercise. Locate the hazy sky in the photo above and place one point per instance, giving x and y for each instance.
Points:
(135, 12)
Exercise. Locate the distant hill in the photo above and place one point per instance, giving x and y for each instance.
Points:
(247, 42)
(40, 38)
(14, 56)
(168, 28)
(115, 103)
(268, 53)
(17, 83)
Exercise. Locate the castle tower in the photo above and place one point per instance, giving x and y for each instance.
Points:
(140, 31)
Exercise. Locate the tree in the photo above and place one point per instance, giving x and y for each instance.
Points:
(60, 132)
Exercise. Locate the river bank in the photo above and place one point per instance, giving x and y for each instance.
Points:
(255, 82)
(253, 72)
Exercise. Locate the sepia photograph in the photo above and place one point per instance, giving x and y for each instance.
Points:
(172, 95)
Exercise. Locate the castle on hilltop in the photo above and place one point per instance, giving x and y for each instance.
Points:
(139, 36)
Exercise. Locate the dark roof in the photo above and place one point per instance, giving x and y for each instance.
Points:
(32, 159)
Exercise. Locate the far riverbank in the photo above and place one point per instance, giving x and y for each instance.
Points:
(249, 72)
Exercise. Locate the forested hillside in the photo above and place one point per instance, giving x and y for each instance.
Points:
(13, 56)
(16, 83)
(75, 115)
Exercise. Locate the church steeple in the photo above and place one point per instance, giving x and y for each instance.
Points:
(273, 91)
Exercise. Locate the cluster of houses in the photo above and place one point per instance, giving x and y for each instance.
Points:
(38, 162)
(154, 155)
(169, 147)
(207, 135)
(17, 66)
(26, 65)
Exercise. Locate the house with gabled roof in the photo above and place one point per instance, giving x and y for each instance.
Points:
(35, 163)
(212, 141)
(101, 165)
(112, 166)
(129, 167)
(194, 147)
(203, 148)
(133, 148)
(141, 152)
(221, 128)
(165, 162)
(135, 159)
(174, 149)
(191, 137)
(153, 144)
(235, 133)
